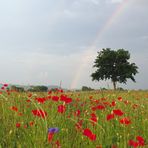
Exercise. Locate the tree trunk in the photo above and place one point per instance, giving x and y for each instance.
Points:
(114, 85)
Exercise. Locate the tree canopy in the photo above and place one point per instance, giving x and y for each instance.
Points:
(114, 65)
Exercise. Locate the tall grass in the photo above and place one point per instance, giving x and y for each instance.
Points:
(33, 130)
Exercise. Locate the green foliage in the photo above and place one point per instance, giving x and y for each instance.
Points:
(38, 89)
(16, 88)
(85, 88)
(114, 65)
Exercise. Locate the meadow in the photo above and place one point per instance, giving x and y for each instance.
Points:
(57, 119)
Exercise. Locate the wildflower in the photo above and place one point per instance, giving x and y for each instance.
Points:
(140, 140)
(100, 107)
(65, 99)
(125, 120)
(93, 118)
(55, 98)
(40, 100)
(20, 114)
(5, 85)
(61, 108)
(77, 112)
(138, 143)
(39, 113)
(78, 125)
(110, 116)
(29, 95)
(126, 102)
(14, 108)
(120, 98)
(31, 123)
(25, 126)
(57, 143)
(133, 143)
(118, 112)
(2, 87)
(87, 132)
(18, 125)
(51, 132)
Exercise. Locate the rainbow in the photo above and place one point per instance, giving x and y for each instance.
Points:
(85, 58)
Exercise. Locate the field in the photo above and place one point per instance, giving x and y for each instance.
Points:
(96, 119)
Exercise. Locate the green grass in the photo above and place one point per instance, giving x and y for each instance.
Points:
(108, 133)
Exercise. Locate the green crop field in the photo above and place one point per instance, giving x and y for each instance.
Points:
(95, 119)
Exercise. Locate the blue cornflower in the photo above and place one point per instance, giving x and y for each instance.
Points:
(53, 130)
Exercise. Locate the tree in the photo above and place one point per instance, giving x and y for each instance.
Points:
(85, 88)
(38, 89)
(114, 65)
(16, 88)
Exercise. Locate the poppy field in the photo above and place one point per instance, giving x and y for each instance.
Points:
(58, 119)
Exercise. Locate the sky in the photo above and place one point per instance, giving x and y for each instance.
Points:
(45, 42)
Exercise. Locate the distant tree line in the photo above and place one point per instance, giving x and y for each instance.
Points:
(31, 89)
(16, 88)
(85, 88)
(38, 89)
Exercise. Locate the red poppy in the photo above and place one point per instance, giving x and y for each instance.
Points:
(110, 116)
(133, 143)
(65, 99)
(120, 98)
(138, 143)
(5, 85)
(2, 87)
(140, 140)
(118, 112)
(125, 120)
(77, 113)
(25, 126)
(14, 108)
(68, 100)
(87, 132)
(78, 125)
(40, 100)
(55, 98)
(39, 113)
(99, 107)
(113, 103)
(28, 100)
(49, 92)
(20, 114)
(57, 143)
(135, 106)
(50, 137)
(93, 118)
(90, 97)
(18, 125)
(29, 95)
(61, 108)
(92, 137)
(126, 102)
(31, 123)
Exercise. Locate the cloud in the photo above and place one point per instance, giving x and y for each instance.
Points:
(48, 41)
(114, 1)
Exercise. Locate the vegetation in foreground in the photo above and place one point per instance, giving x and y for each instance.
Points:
(57, 119)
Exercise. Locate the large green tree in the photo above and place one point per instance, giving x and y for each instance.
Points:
(114, 65)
